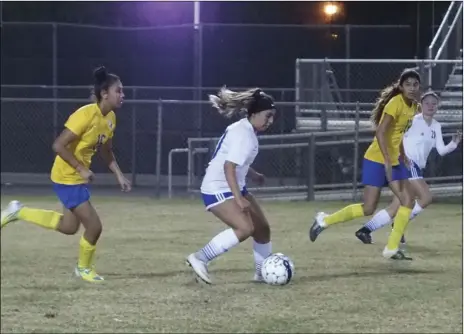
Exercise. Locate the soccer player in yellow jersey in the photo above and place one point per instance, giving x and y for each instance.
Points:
(87, 130)
(384, 163)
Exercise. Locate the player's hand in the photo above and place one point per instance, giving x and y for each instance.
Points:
(407, 162)
(243, 203)
(258, 178)
(457, 137)
(86, 174)
(125, 184)
(388, 171)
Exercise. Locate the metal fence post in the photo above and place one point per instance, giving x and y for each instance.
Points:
(159, 147)
(134, 140)
(356, 152)
(311, 167)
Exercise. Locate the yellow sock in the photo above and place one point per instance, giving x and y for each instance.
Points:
(86, 252)
(347, 213)
(399, 226)
(44, 218)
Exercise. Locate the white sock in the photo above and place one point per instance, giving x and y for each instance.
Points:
(379, 220)
(260, 253)
(220, 244)
(415, 211)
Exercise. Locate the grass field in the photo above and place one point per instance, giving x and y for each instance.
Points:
(340, 285)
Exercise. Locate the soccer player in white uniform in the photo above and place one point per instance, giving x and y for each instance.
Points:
(423, 135)
(224, 189)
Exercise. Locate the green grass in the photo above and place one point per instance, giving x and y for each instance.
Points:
(340, 285)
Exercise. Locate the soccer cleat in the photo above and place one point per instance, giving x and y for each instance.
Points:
(318, 226)
(364, 236)
(395, 255)
(10, 214)
(88, 275)
(258, 278)
(199, 267)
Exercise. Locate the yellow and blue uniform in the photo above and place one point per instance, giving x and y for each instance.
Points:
(374, 165)
(93, 129)
(373, 170)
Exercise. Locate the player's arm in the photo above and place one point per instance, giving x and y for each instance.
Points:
(440, 145)
(74, 128)
(390, 112)
(107, 154)
(239, 150)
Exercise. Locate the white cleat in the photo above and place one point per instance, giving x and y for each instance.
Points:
(389, 253)
(258, 278)
(199, 267)
(10, 214)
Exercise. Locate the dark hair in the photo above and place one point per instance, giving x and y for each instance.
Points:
(230, 103)
(102, 81)
(389, 92)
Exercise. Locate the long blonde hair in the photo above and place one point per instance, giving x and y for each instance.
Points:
(229, 103)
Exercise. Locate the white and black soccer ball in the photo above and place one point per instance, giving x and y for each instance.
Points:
(277, 269)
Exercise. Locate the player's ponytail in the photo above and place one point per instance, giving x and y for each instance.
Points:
(385, 95)
(102, 81)
(229, 103)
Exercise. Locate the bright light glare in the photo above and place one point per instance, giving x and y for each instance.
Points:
(330, 9)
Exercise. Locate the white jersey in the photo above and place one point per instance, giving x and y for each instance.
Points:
(419, 140)
(238, 144)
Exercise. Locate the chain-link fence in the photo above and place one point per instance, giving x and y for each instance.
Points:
(351, 80)
(297, 164)
(42, 54)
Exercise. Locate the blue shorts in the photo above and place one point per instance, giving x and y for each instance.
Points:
(373, 173)
(211, 200)
(415, 172)
(72, 195)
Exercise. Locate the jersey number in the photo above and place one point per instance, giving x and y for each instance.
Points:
(219, 144)
(99, 143)
(434, 134)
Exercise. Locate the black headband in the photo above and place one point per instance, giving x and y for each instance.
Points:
(260, 102)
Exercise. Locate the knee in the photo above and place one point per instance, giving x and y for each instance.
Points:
(71, 229)
(245, 231)
(425, 200)
(95, 228)
(369, 209)
(406, 199)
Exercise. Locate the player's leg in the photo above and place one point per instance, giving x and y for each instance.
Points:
(65, 223)
(88, 216)
(421, 191)
(262, 246)
(380, 219)
(401, 187)
(76, 199)
(224, 207)
(373, 179)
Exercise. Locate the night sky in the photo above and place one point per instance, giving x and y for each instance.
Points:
(136, 13)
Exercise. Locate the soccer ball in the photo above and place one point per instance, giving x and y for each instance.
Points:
(277, 269)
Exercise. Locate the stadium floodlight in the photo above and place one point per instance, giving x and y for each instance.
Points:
(331, 9)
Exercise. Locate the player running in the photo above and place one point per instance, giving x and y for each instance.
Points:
(383, 164)
(87, 130)
(224, 189)
(423, 135)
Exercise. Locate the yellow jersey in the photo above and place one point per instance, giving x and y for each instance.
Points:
(93, 130)
(402, 118)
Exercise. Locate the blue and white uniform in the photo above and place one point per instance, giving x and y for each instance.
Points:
(418, 142)
(239, 144)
